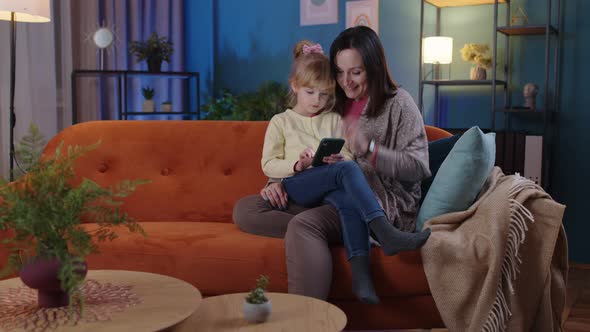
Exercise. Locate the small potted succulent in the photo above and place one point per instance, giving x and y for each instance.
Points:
(477, 54)
(166, 106)
(154, 50)
(257, 306)
(148, 104)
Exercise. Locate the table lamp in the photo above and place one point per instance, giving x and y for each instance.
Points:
(37, 11)
(438, 50)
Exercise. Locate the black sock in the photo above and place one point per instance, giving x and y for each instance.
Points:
(362, 284)
(392, 240)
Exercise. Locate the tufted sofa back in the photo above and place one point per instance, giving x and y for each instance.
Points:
(198, 169)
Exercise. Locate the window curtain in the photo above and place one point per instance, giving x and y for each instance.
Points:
(36, 99)
(131, 20)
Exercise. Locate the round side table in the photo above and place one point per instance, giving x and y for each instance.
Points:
(160, 302)
(289, 313)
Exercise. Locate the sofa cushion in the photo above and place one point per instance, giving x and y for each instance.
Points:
(437, 152)
(461, 175)
(218, 258)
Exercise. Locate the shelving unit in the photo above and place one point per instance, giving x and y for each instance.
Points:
(546, 112)
(122, 77)
(437, 83)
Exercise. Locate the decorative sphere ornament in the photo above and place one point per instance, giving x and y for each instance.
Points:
(103, 37)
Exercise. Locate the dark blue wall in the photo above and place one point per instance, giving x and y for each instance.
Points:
(239, 44)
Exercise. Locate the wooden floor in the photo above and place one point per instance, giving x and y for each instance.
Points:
(576, 315)
(577, 308)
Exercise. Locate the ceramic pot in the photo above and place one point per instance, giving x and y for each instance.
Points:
(148, 106)
(477, 73)
(41, 274)
(154, 65)
(166, 108)
(256, 313)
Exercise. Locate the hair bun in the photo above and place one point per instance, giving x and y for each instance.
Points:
(298, 49)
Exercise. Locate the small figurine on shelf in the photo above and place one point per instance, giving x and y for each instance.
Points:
(519, 17)
(148, 104)
(166, 106)
(530, 94)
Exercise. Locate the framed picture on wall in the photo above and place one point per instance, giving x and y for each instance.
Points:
(364, 12)
(314, 12)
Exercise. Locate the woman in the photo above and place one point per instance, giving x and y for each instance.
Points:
(386, 133)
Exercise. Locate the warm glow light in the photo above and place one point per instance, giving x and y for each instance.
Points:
(35, 11)
(438, 50)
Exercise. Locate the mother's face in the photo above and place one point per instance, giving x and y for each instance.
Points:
(351, 74)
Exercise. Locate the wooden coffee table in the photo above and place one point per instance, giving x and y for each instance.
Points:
(163, 301)
(289, 313)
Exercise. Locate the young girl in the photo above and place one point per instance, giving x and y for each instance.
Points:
(289, 144)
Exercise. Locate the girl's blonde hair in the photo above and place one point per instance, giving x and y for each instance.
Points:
(311, 68)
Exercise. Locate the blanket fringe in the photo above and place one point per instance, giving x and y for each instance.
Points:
(519, 216)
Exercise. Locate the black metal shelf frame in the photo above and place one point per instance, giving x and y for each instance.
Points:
(122, 76)
(549, 110)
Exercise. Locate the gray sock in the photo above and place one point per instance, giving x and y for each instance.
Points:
(362, 284)
(393, 240)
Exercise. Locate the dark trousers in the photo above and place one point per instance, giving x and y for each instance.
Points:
(342, 185)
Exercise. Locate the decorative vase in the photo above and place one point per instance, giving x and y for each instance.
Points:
(148, 106)
(42, 274)
(166, 108)
(256, 313)
(154, 65)
(477, 73)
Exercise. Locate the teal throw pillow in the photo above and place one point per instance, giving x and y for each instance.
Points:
(461, 175)
(437, 152)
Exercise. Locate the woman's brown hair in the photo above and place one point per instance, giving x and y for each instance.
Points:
(380, 85)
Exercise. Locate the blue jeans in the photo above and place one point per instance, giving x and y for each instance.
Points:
(344, 186)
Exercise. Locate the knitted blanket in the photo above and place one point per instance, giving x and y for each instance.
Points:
(502, 264)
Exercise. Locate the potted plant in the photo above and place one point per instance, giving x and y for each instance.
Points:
(477, 54)
(166, 106)
(154, 50)
(257, 306)
(41, 214)
(148, 104)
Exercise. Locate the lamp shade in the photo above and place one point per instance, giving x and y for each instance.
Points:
(36, 11)
(438, 50)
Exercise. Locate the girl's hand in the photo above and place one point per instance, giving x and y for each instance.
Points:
(358, 143)
(275, 194)
(334, 158)
(305, 159)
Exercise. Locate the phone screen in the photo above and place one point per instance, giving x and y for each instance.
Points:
(327, 147)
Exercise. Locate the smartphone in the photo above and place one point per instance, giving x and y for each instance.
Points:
(327, 147)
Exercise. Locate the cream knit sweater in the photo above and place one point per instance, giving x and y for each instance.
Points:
(289, 133)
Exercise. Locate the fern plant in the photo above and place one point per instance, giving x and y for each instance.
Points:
(43, 211)
(256, 296)
(28, 150)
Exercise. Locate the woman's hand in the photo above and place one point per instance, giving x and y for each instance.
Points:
(275, 194)
(358, 143)
(305, 159)
(333, 158)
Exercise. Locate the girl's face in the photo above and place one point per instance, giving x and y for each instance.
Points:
(310, 100)
(351, 74)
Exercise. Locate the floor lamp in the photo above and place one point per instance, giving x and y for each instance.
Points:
(37, 11)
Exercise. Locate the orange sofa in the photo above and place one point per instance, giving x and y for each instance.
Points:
(199, 169)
